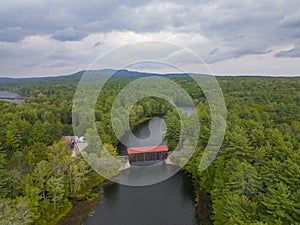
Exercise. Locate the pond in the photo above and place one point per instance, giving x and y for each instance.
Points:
(8, 96)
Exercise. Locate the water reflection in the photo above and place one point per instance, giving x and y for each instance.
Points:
(167, 203)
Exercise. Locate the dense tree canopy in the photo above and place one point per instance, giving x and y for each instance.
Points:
(254, 180)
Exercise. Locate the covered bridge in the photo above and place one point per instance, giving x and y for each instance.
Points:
(147, 153)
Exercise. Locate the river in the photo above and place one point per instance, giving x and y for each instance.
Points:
(170, 202)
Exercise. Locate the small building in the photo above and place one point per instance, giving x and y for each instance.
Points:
(72, 142)
(147, 153)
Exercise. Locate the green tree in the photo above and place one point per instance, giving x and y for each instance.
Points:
(55, 186)
(5, 176)
(40, 175)
(15, 212)
(278, 204)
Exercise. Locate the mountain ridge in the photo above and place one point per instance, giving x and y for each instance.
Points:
(77, 75)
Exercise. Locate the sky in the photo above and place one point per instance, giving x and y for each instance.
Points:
(234, 37)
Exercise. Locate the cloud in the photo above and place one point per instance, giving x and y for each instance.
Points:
(182, 56)
(12, 34)
(293, 53)
(265, 64)
(290, 20)
(217, 30)
(98, 43)
(69, 34)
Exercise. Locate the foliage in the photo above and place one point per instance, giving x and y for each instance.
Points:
(254, 180)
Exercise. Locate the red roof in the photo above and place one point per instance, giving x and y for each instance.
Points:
(146, 149)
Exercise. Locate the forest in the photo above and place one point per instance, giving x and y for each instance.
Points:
(255, 178)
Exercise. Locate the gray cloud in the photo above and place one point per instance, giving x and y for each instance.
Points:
(216, 30)
(12, 34)
(290, 20)
(294, 53)
(98, 43)
(218, 55)
(69, 34)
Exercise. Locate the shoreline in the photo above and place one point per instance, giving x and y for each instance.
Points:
(203, 203)
(83, 208)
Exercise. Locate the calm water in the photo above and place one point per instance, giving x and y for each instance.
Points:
(167, 203)
(170, 202)
(150, 133)
(9, 97)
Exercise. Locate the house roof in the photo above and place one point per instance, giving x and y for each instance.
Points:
(67, 138)
(147, 149)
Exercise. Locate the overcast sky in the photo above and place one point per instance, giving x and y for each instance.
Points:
(54, 37)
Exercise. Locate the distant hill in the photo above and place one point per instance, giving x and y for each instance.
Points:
(5, 79)
(75, 77)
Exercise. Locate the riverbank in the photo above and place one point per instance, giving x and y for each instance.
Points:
(140, 121)
(204, 207)
(203, 202)
(83, 208)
